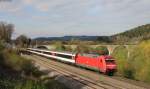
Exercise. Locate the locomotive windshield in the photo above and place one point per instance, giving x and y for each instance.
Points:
(110, 61)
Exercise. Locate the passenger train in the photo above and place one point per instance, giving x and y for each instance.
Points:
(103, 63)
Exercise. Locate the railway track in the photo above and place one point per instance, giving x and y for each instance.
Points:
(89, 80)
(89, 84)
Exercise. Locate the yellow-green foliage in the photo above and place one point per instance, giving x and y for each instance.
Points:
(68, 48)
(137, 66)
(59, 46)
(120, 54)
(11, 71)
(140, 61)
(18, 63)
(29, 84)
(12, 60)
(83, 48)
(102, 50)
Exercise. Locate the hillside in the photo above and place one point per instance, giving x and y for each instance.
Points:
(67, 38)
(133, 35)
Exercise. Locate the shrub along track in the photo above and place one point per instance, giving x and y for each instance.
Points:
(87, 78)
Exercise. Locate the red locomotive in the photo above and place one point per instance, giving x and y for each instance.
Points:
(104, 63)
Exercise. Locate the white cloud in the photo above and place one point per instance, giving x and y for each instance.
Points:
(12, 6)
(80, 14)
(28, 2)
(43, 6)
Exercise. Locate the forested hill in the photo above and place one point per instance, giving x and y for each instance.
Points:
(133, 35)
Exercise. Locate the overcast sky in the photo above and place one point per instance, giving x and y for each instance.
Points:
(74, 17)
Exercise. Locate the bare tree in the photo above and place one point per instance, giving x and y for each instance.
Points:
(6, 31)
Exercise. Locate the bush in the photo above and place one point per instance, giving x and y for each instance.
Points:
(102, 50)
(18, 63)
(140, 59)
(29, 84)
(83, 48)
(68, 48)
(1, 47)
(137, 66)
(120, 54)
(12, 60)
(29, 69)
(1, 59)
(129, 71)
(11, 75)
(60, 46)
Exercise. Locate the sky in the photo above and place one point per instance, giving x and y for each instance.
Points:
(36, 18)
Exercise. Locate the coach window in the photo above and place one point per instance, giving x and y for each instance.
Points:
(64, 56)
(47, 53)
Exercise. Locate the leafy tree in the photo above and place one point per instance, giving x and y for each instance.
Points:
(23, 41)
(105, 39)
(102, 50)
(60, 46)
(83, 48)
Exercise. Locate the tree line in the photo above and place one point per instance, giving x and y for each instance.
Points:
(134, 35)
(6, 32)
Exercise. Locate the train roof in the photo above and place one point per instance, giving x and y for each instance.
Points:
(62, 52)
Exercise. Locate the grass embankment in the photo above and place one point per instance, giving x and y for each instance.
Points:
(137, 66)
(19, 73)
